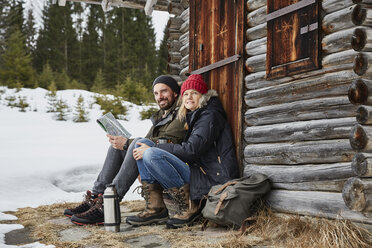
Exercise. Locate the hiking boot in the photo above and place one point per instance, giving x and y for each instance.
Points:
(155, 211)
(94, 216)
(83, 207)
(187, 210)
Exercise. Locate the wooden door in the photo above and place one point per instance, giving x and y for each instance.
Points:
(216, 50)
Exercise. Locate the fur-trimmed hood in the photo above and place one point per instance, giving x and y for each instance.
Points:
(206, 97)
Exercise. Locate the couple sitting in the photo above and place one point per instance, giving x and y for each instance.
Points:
(182, 171)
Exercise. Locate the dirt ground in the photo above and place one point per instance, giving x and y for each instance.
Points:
(47, 225)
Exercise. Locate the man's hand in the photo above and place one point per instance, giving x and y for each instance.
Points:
(117, 142)
(138, 152)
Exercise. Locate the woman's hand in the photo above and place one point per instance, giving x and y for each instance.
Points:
(138, 152)
(117, 142)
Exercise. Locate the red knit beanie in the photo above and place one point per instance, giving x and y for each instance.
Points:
(195, 82)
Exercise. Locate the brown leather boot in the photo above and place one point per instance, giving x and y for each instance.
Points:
(155, 211)
(186, 211)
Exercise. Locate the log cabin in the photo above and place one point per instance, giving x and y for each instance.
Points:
(295, 78)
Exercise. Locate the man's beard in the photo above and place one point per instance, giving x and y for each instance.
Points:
(167, 106)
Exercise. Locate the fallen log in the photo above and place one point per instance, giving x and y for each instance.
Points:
(357, 194)
(360, 138)
(256, 32)
(363, 64)
(362, 164)
(327, 85)
(322, 129)
(256, 47)
(360, 91)
(320, 204)
(308, 152)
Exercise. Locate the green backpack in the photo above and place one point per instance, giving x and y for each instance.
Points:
(233, 202)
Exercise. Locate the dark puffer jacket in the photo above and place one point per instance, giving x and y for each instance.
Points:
(208, 147)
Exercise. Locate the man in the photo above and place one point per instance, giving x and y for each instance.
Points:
(120, 168)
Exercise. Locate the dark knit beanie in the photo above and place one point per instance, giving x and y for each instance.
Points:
(168, 80)
(195, 82)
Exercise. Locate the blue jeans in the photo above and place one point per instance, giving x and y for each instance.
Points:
(162, 167)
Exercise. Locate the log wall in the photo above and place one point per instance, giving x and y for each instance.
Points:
(309, 132)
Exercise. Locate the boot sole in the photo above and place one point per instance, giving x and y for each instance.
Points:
(161, 221)
(86, 224)
(176, 225)
(67, 215)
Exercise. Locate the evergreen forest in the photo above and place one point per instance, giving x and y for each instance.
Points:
(79, 46)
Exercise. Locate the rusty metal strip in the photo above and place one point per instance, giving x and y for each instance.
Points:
(220, 63)
(288, 9)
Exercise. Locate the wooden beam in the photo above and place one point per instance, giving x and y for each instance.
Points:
(357, 194)
(149, 7)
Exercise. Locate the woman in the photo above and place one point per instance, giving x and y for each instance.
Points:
(188, 170)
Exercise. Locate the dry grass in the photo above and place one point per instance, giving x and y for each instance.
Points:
(271, 230)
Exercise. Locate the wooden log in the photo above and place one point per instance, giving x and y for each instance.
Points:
(360, 138)
(175, 23)
(356, 38)
(256, 32)
(174, 46)
(335, 5)
(185, 50)
(173, 34)
(312, 109)
(184, 38)
(360, 92)
(362, 39)
(174, 57)
(308, 152)
(185, 26)
(256, 47)
(300, 131)
(175, 9)
(364, 115)
(363, 64)
(256, 63)
(302, 173)
(362, 164)
(328, 186)
(343, 57)
(357, 194)
(330, 84)
(345, 18)
(258, 80)
(174, 69)
(319, 204)
(184, 61)
(184, 71)
(185, 14)
(184, 3)
(256, 17)
(255, 4)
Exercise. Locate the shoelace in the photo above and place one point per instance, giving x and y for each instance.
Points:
(96, 210)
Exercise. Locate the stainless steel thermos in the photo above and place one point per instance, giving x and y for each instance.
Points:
(111, 209)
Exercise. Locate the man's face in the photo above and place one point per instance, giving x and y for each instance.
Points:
(164, 96)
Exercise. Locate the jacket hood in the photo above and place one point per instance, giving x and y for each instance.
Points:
(206, 97)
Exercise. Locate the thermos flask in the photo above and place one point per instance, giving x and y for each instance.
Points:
(111, 209)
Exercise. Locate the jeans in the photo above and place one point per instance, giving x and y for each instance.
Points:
(162, 167)
(120, 169)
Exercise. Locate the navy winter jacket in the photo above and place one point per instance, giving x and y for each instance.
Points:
(208, 147)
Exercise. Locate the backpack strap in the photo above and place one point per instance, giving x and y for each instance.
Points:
(225, 185)
(220, 201)
(246, 223)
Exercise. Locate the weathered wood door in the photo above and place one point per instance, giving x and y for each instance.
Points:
(216, 50)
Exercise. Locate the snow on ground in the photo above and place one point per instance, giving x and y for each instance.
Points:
(44, 161)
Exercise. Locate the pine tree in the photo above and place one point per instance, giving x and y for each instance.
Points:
(30, 31)
(51, 96)
(81, 115)
(61, 110)
(99, 83)
(22, 103)
(162, 55)
(16, 68)
(46, 77)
